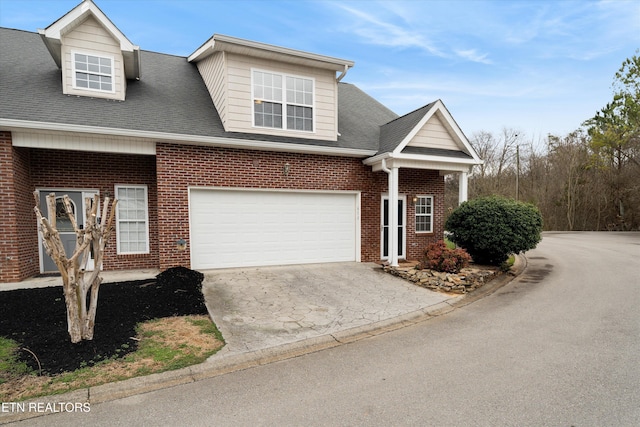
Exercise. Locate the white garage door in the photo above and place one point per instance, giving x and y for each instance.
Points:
(252, 228)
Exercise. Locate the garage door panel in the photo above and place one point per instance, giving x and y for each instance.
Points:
(250, 228)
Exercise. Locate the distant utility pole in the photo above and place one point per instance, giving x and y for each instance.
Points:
(517, 171)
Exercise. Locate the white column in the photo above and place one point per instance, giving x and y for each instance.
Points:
(462, 187)
(393, 217)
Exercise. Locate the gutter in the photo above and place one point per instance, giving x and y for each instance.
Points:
(154, 136)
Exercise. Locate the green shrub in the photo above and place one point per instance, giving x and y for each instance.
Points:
(492, 228)
(441, 258)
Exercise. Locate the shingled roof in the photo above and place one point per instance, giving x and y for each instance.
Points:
(170, 98)
(394, 132)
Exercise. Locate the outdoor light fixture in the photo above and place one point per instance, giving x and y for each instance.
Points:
(286, 168)
(414, 199)
(181, 244)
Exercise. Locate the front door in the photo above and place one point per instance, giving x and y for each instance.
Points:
(67, 235)
(385, 227)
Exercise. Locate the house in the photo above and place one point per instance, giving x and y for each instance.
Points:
(241, 154)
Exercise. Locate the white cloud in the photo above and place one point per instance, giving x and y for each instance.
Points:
(474, 56)
(382, 33)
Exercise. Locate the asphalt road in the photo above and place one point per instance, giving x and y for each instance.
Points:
(558, 346)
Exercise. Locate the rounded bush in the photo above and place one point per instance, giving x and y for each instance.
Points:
(492, 228)
(440, 258)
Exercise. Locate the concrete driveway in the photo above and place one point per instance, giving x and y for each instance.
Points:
(259, 308)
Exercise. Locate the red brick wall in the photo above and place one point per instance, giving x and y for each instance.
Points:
(181, 166)
(101, 171)
(428, 183)
(178, 167)
(18, 239)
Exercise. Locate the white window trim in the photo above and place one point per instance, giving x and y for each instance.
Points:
(146, 219)
(98, 55)
(416, 215)
(284, 101)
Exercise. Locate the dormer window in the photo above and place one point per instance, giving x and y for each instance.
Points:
(92, 72)
(276, 94)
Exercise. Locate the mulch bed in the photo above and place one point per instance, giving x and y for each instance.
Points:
(36, 318)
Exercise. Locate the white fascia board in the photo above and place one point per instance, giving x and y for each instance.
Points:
(206, 49)
(440, 108)
(456, 129)
(415, 130)
(223, 43)
(417, 161)
(10, 124)
(376, 159)
(440, 159)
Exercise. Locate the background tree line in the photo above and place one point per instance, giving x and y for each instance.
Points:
(586, 180)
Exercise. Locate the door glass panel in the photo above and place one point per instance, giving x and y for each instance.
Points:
(63, 223)
(385, 227)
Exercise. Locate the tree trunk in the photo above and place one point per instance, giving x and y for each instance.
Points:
(76, 281)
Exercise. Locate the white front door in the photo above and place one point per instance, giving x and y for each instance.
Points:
(402, 213)
(67, 234)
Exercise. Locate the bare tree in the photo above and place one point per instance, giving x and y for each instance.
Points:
(497, 175)
(77, 282)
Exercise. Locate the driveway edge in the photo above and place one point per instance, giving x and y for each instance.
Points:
(216, 366)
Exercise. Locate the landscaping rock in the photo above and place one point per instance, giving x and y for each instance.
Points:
(467, 280)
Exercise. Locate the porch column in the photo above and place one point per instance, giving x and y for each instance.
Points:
(393, 217)
(462, 187)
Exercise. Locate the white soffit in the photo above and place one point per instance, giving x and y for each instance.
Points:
(84, 142)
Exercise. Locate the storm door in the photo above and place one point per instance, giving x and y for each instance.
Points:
(63, 224)
(401, 227)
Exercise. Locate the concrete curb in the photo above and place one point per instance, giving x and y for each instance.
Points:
(221, 365)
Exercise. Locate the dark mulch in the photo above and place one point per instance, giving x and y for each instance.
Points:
(36, 318)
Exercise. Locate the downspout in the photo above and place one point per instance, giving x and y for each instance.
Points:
(393, 212)
(344, 73)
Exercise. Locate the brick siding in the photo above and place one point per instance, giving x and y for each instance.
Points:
(23, 170)
(182, 166)
(168, 176)
(19, 239)
(101, 171)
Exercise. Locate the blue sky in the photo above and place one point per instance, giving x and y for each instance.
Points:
(536, 66)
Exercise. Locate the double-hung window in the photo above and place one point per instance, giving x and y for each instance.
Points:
(424, 214)
(132, 219)
(93, 72)
(282, 101)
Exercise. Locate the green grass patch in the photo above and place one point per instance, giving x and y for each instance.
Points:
(165, 344)
(449, 243)
(207, 327)
(506, 266)
(9, 365)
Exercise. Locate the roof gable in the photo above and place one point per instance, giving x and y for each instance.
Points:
(429, 130)
(53, 34)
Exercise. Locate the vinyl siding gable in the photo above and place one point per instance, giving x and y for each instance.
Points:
(91, 38)
(228, 79)
(213, 72)
(434, 134)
